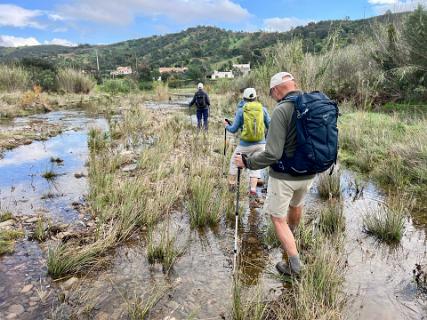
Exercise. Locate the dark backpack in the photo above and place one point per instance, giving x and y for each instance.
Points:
(315, 118)
(200, 99)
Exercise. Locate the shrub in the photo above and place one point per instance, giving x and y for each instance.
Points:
(73, 81)
(161, 90)
(117, 86)
(13, 78)
(146, 85)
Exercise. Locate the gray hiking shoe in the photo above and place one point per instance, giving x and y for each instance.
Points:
(284, 268)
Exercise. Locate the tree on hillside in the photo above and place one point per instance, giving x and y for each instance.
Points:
(415, 33)
(43, 72)
(197, 70)
(145, 73)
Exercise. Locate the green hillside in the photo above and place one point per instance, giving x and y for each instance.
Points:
(208, 46)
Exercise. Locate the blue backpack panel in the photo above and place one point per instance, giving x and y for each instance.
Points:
(316, 118)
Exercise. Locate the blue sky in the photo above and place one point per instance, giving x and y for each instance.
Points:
(71, 22)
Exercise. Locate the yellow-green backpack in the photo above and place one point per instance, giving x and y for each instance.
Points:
(253, 122)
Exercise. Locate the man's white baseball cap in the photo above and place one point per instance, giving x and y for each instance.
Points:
(200, 85)
(280, 78)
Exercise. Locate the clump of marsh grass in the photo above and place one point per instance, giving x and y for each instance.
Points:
(248, 305)
(64, 260)
(161, 91)
(6, 246)
(203, 206)
(163, 251)
(13, 78)
(6, 215)
(270, 238)
(317, 293)
(328, 185)
(305, 236)
(41, 230)
(56, 160)
(7, 240)
(73, 81)
(385, 223)
(140, 306)
(97, 140)
(50, 174)
(331, 219)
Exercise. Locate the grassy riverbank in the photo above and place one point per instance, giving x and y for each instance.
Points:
(389, 148)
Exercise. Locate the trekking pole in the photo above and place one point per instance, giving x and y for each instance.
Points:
(239, 170)
(225, 140)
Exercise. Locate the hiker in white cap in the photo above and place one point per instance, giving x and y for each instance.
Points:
(285, 193)
(253, 120)
(202, 102)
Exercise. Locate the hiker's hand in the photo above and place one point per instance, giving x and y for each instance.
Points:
(225, 123)
(238, 161)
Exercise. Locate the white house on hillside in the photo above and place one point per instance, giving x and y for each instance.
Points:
(243, 68)
(120, 71)
(222, 75)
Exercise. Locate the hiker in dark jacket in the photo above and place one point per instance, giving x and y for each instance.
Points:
(202, 102)
(285, 195)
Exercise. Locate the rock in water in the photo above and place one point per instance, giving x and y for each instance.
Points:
(27, 288)
(69, 283)
(16, 309)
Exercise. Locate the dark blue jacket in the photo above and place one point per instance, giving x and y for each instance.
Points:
(200, 93)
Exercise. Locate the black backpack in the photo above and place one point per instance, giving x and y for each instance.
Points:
(200, 99)
(317, 135)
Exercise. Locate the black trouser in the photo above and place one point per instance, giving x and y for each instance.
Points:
(202, 112)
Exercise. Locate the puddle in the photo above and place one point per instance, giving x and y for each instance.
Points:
(176, 101)
(378, 279)
(23, 189)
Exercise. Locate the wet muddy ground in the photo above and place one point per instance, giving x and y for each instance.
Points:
(27, 194)
(379, 282)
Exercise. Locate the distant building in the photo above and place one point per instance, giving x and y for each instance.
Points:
(121, 71)
(222, 75)
(172, 70)
(243, 68)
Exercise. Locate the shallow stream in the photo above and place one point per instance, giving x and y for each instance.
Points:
(378, 283)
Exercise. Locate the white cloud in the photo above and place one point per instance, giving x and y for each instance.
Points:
(55, 17)
(125, 11)
(382, 1)
(11, 41)
(381, 6)
(283, 24)
(14, 16)
(60, 29)
(61, 42)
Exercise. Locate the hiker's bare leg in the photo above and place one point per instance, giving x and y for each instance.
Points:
(231, 179)
(285, 235)
(253, 184)
(293, 217)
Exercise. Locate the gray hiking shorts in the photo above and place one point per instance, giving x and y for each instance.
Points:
(250, 150)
